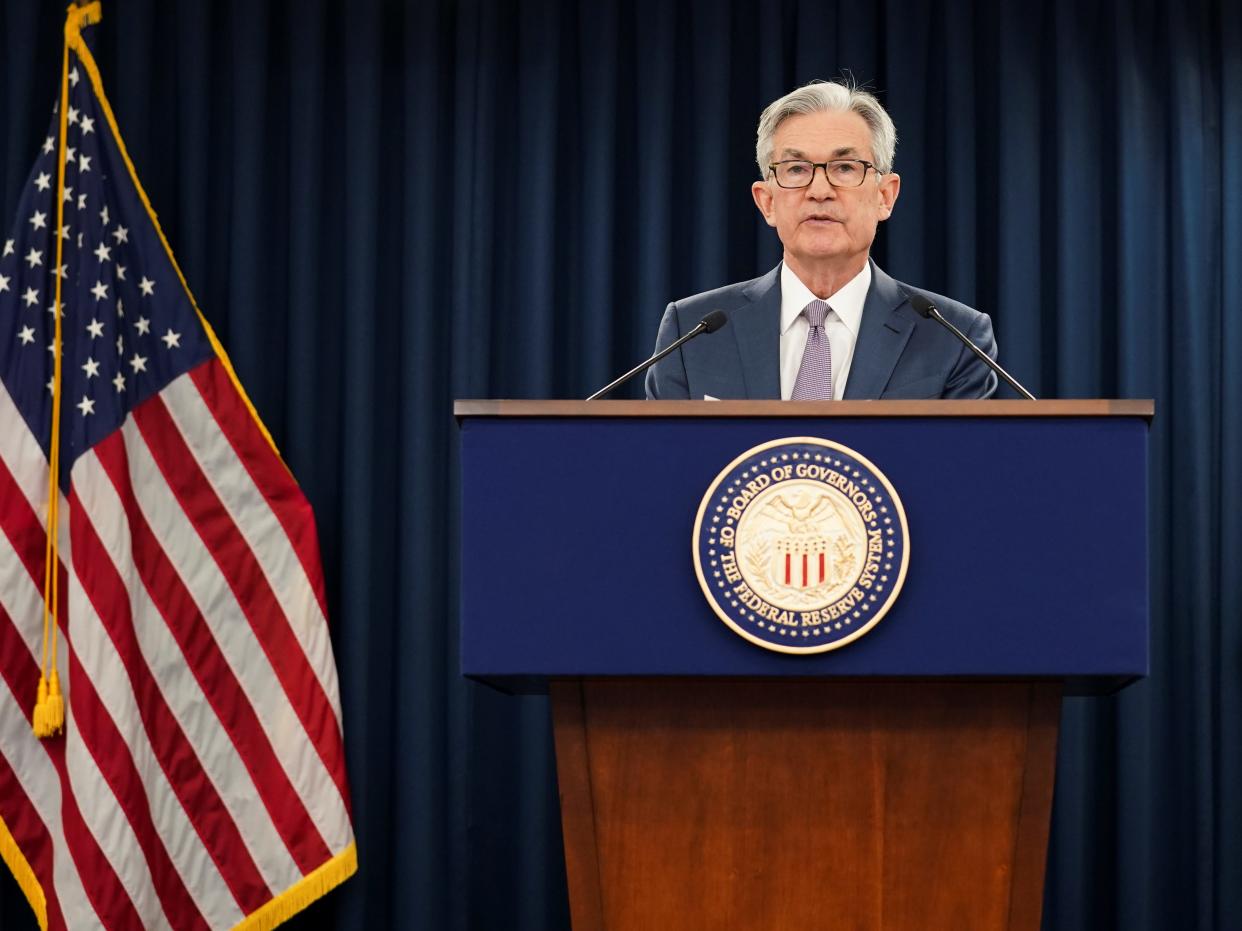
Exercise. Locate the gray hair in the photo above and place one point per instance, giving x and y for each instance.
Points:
(828, 95)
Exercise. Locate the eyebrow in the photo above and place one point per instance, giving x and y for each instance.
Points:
(844, 152)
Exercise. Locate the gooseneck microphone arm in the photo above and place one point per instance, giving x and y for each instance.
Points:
(925, 308)
(709, 324)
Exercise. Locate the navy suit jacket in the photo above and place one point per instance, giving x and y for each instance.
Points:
(898, 353)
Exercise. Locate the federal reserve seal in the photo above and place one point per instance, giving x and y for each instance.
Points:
(801, 545)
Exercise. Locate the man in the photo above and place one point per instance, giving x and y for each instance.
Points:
(827, 322)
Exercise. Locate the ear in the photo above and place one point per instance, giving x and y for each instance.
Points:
(763, 200)
(890, 187)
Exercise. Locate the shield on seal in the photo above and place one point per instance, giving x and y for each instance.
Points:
(800, 560)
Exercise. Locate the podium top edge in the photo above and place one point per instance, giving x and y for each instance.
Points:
(1094, 407)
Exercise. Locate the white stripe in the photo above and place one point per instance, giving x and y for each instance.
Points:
(191, 859)
(23, 455)
(259, 526)
(104, 819)
(202, 728)
(242, 651)
(28, 759)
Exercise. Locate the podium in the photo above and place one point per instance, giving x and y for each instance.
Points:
(902, 781)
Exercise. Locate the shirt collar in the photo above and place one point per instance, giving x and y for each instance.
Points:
(847, 302)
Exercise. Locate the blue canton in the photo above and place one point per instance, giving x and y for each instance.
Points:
(128, 326)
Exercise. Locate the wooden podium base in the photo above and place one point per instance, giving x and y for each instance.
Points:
(746, 806)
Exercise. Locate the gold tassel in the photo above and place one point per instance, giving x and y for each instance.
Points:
(55, 706)
(40, 711)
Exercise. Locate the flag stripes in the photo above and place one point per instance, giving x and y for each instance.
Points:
(215, 525)
(160, 782)
(199, 781)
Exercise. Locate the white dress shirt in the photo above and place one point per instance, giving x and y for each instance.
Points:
(841, 326)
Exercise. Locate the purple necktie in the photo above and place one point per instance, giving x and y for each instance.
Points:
(815, 374)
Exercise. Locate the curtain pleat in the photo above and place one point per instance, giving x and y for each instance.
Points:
(382, 206)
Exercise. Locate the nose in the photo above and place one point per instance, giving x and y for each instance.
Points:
(820, 189)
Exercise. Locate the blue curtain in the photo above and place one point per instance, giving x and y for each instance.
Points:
(384, 206)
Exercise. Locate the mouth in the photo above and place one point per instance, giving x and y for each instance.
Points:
(820, 219)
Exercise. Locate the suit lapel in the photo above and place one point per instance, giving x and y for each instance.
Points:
(757, 329)
(886, 325)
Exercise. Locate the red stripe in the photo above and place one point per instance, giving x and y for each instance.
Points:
(22, 526)
(172, 749)
(107, 747)
(101, 738)
(103, 887)
(245, 577)
(24, 823)
(267, 470)
(99, 881)
(804, 560)
(788, 559)
(26, 534)
(821, 567)
(30, 833)
(213, 673)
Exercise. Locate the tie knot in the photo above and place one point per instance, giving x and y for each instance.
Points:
(815, 312)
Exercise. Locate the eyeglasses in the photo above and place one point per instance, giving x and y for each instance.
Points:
(840, 172)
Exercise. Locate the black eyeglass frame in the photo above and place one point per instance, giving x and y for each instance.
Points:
(827, 177)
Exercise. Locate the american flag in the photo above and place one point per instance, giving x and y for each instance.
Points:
(199, 781)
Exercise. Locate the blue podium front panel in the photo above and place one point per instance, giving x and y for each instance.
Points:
(1027, 548)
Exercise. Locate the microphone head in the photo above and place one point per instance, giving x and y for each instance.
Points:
(922, 306)
(714, 321)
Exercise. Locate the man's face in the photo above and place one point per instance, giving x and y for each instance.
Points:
(822, 226)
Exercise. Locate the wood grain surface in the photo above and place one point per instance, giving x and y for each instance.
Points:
(700, 804)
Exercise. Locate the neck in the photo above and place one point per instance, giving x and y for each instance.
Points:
(825, 279)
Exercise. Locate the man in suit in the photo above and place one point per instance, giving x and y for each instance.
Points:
(827, 322)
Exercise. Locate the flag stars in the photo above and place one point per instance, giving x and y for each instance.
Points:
(68, 198)
(100, 290)
(120, 273)
(86, 406)
(171, 339)
(74, 77)
(44, 181)
(38, 220)
(146, 286)
(120, 345)
(120, 234)
(31, 297)
(87, 125)
(48, 145)
(71, 154)
(62, 271)
(91, 368)
(84, 163)
(73, 115)
(35, 257)
(143, 325)
(95, 328)
(81, 206)
(4, 283)
(120, 304)
(103, 215)
(103, 253)
(26, 335)
(138, 363)
(119, 382)
(8, 247)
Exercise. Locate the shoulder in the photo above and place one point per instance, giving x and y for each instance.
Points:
(962, 316)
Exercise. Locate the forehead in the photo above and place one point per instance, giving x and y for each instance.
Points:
(823, 135)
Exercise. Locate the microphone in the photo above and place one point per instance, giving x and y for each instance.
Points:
(709, 324)
(925, 308)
